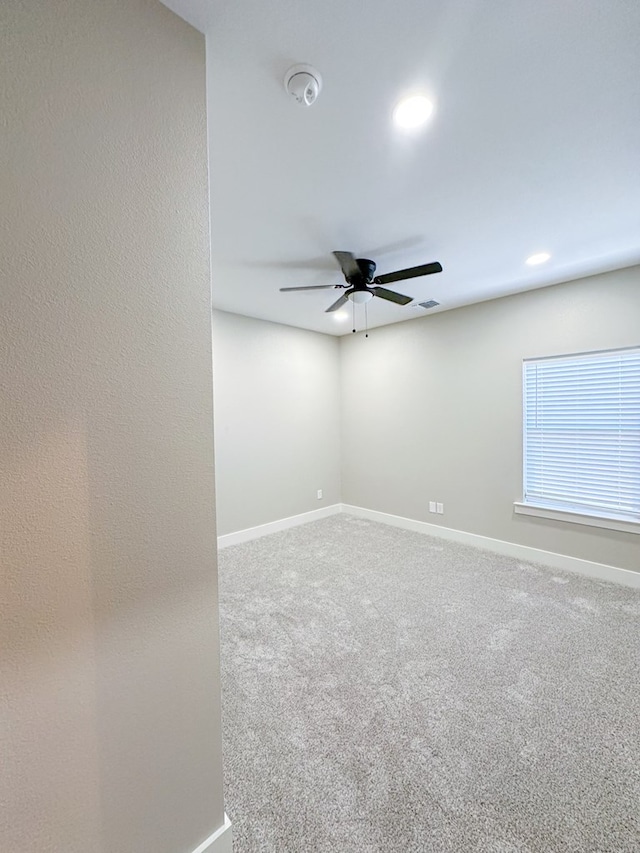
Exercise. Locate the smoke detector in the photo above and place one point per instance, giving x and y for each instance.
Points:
(303, 83)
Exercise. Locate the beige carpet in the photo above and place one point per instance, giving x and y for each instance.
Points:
(387, 691)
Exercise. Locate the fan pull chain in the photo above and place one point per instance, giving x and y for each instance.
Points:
(353, 308)
(366, 320)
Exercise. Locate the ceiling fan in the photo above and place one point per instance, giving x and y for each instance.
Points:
(362, 284)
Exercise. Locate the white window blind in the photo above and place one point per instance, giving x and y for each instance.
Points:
(582, 433)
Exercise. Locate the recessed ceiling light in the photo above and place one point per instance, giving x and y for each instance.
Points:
(538, 258)
(413, 111)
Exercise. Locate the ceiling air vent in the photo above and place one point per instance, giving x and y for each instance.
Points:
(431, 303)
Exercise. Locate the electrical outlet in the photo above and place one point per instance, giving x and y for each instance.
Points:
(440, 508)
(432, 506)
(319, 494)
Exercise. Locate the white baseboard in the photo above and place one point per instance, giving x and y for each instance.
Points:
(275, 526)
(219, 842)
(600, 571)
(510, 549)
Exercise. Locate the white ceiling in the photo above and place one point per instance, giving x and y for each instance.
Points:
(534, 145)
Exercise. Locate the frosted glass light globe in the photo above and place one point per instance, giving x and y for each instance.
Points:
(360, 296)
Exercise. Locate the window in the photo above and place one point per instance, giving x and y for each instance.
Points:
(582, 437)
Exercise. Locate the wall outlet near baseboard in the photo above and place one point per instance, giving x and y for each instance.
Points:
(440, 508)
(319, 494)
(432, 506)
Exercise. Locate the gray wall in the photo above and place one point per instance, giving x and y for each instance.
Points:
(432, 410)
(277, 416)
(109, 706)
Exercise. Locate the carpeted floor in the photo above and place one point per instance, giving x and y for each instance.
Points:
(387, 691)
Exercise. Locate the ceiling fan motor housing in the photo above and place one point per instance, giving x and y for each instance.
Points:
(368, 270)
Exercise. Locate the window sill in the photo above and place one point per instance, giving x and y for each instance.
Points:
(623, 524)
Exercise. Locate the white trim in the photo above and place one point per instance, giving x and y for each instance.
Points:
(219, 842)
(600, 571)
(582, 354)
(275, 526)
(626, 525)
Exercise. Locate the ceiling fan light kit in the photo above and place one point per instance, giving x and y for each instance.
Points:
(360, 296)
(303, 83)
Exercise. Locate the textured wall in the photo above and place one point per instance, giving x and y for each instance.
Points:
(432, 410)
(277, 404)
(109, 706)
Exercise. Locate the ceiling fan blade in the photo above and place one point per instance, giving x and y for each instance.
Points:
(411, 272)
(337, 304)
(391, 295)
(348, 264)
(312, 287)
